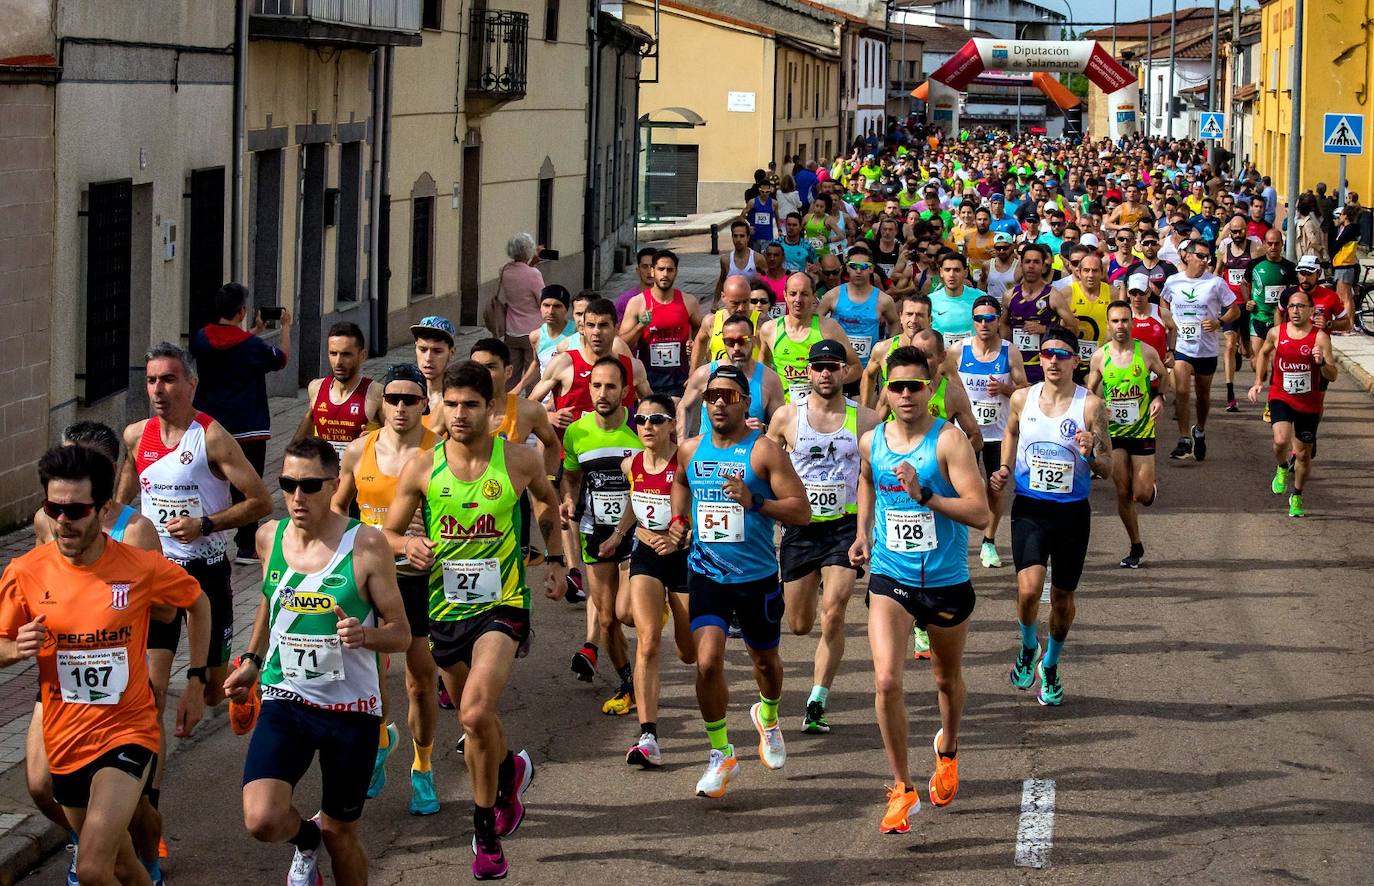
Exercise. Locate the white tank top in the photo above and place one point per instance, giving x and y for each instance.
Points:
(177, 481)
(999, 282)
(828, 464)
(1048, 464)
(989, 410)
(748, 272)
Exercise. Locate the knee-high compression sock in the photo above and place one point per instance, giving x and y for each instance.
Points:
(1052, 649)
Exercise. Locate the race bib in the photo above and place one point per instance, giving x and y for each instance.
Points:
(1051, 475)
(798, 391)
(1086, 349)
(827, 498)
(472, 581)
(1297, 382)
(1124, 412)
(951, 339)
(166, 509)
(817, 243)
(1189, 331)
(1235, 276)
(92, 676)
(910, 531)
(1025, 341)
(762, 218)
(1271, 294)
(311, 658)
(987, 412)
(608, 507)
(653, 510)
(720, 521)
(862, 344)
(339, 446)
(665, 354)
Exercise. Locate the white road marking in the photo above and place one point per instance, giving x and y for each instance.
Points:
(1035, 832)
(1045, 592)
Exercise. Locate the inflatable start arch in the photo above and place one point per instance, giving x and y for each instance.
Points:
(1085, 57)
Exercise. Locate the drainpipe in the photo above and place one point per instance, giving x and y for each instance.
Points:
(589, 215)
(236, 269)
(374, 214)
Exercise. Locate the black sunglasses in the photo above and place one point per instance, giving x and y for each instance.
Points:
(653, 418)
(74, 510)
(403, 399)
(901, 386)
(308, 485)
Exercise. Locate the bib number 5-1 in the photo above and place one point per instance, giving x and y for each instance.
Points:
(720, 522)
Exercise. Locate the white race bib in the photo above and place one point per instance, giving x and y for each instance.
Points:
(1297, 382)
(472, 581)
(339, 446)
(827, 498)
(1086, 349)
(1025, 341)
(910, 531)
(608, 507)
(653, 510)
(1124, 412)
(93, 676)
(665, 354)
(987, 412)
(1271, 294)
(816, 243)
(762, 218)
(862, 344)
(952, 339)
(165, 509)
(798, 391)
(311, 658)
(1190, 331)
(1051, 475)
(1235, 276)
(720, 521)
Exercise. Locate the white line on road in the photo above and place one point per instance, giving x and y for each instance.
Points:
(1045, 591)
(1036, 830)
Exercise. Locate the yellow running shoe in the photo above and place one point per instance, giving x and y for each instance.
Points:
(619, 704)
(944, 784)
(902, 801)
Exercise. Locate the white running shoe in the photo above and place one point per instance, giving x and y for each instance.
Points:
(988, 555)
(305, 866)
(719, 770)
(772, 751)
(645, 753)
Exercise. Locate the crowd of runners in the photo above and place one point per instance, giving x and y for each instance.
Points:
(899, 348)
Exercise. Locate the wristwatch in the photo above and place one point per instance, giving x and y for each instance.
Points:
(207, 526)
(253, 657)
(926, 495)
(198, 673)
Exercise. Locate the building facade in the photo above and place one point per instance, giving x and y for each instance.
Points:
(806, 110)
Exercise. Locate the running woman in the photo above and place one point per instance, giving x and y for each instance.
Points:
(734, 484)
(659, 324)
(479, 602)
(329, 605)
(345, 404)
(1120, 374)
(368, 473)
(919, 491)
(1295, 360)
(1056, 442)
(821, 435)
(787, 340)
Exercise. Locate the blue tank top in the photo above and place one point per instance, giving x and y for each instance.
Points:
(755, 395)
(913, 545)
(761, 219)
(121, 523)
(729, 542)
(1048, 464)
(548, 343)
(859, 321)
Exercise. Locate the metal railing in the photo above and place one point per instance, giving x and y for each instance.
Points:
(391, 15)
(498, 54)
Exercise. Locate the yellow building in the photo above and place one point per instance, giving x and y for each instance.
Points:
(1337, 76)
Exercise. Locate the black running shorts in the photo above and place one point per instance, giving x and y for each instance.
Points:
(415, 599)
(452, 641)
(73, 790)
(1051, 533)
(807, 549)
(289, 734)
(758, 604)
(213, 579)
(941, 607)
(1304, 423)
(668, 569)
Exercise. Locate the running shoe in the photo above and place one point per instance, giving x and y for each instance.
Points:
(1295, 506)
(988, 554)
(1267, 418)
(719, 770)
(944, 784)
(305, 866)
(72, 879)
(243, 715)
(573, 579)
(902, 802)
(1051, 690)
(1132, 560)
(379, 765)
(645, 752)
(462, 743)
(584, 663)
(489, 862)
(772, 751)
(424, 799)
(1199, 444)
(1232, 406)
(445, 701)
(815, 723)
(920, 644)
(1279, 485)
(734, 632)
(620, 704)
(1183, 450)
(161, 849)
(510, 808)
(1023, 671)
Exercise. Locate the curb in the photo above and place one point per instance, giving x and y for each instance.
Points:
(27, 845)
(1361, 376)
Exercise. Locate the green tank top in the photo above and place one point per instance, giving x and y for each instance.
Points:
(305, 661)
(937, 400)
(1127, 392)
(790, 358)
(817, 234)
(476, 528)
(1266, 285)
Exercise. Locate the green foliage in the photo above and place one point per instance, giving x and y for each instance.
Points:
(1078, 85)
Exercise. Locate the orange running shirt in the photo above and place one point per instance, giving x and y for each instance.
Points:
(93, 670)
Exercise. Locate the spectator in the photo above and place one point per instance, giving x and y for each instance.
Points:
(519, 286)
(1271, 200)
(233, 365)
(789, 198)
(806, 183)
(644, 266)
(1311, 238)
(1345, 260)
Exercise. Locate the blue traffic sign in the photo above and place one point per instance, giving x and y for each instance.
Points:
(1343, 134)
(1213, 125)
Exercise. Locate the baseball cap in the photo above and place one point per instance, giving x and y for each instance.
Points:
(1138, 283)
(1032, 217)
(1309, 263)
(403, 372)
(1001, 238)
(730, 372)
(435, 324)
(997, 198)
(1090, 241)
(827, 350)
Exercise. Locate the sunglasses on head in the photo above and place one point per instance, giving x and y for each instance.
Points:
(1056, 354)
(72, 510)
(403, 399)
(727, 396)
(907, 385)
(656, 419)
(984, 318)
(308, 485)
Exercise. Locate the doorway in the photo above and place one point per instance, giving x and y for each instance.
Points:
(310, 302)
(469, 272)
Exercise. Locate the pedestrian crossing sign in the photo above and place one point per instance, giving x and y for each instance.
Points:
(1213, 125)
(1343, 134)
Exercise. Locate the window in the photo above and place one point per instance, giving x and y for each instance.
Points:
(265, 227)
(109, 246)
(806, 84)
(1273, 82)
(350, 221)
(544, 222)
(422, 245)
(817, 101)
(432, 16)
(1291, 68)
(551, 20)
(791, 81)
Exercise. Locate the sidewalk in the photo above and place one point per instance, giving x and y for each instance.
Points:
(27, 837)
(683, 227)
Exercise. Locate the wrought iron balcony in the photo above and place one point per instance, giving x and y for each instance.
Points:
(368, 22)
(498, 55)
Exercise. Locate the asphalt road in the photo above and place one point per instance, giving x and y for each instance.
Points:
(1218, 726)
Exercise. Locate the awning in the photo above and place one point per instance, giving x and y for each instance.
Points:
(672, 118)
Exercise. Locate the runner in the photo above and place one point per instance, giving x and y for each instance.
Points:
(329, 605)
(787, 340)
(1152, 325)
(743, 259)
(735, 298)
(919, 490)
(80, 605)
(821, 435)
(595, 497)
(434, 340)
(1201, 303)
(1295, 360)
(1121, 372)
(557, 327)
(761, 215)
(367, 475)
(950, 301)
(765, 387)
(1235, 254)
(990, 370)
(659, 324)
(862, 310)
(349, 405)
(1088, 299)
(1032, 307)
(733, 485)
(1151, 264)
(479, 602)
(1328, 310)
(1002, 270)
(1056, 442)
(913, 315)
(1265, 280)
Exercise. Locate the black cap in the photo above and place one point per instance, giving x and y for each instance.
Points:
(827, 350)
(403, 372)
(558, 291)
(730, 372)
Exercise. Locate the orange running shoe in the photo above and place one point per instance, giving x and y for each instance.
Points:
(161, 848)
(901, 803)
(243, 716)
(944, 784)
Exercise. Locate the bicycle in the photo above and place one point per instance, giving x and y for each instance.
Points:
(1364, 301)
